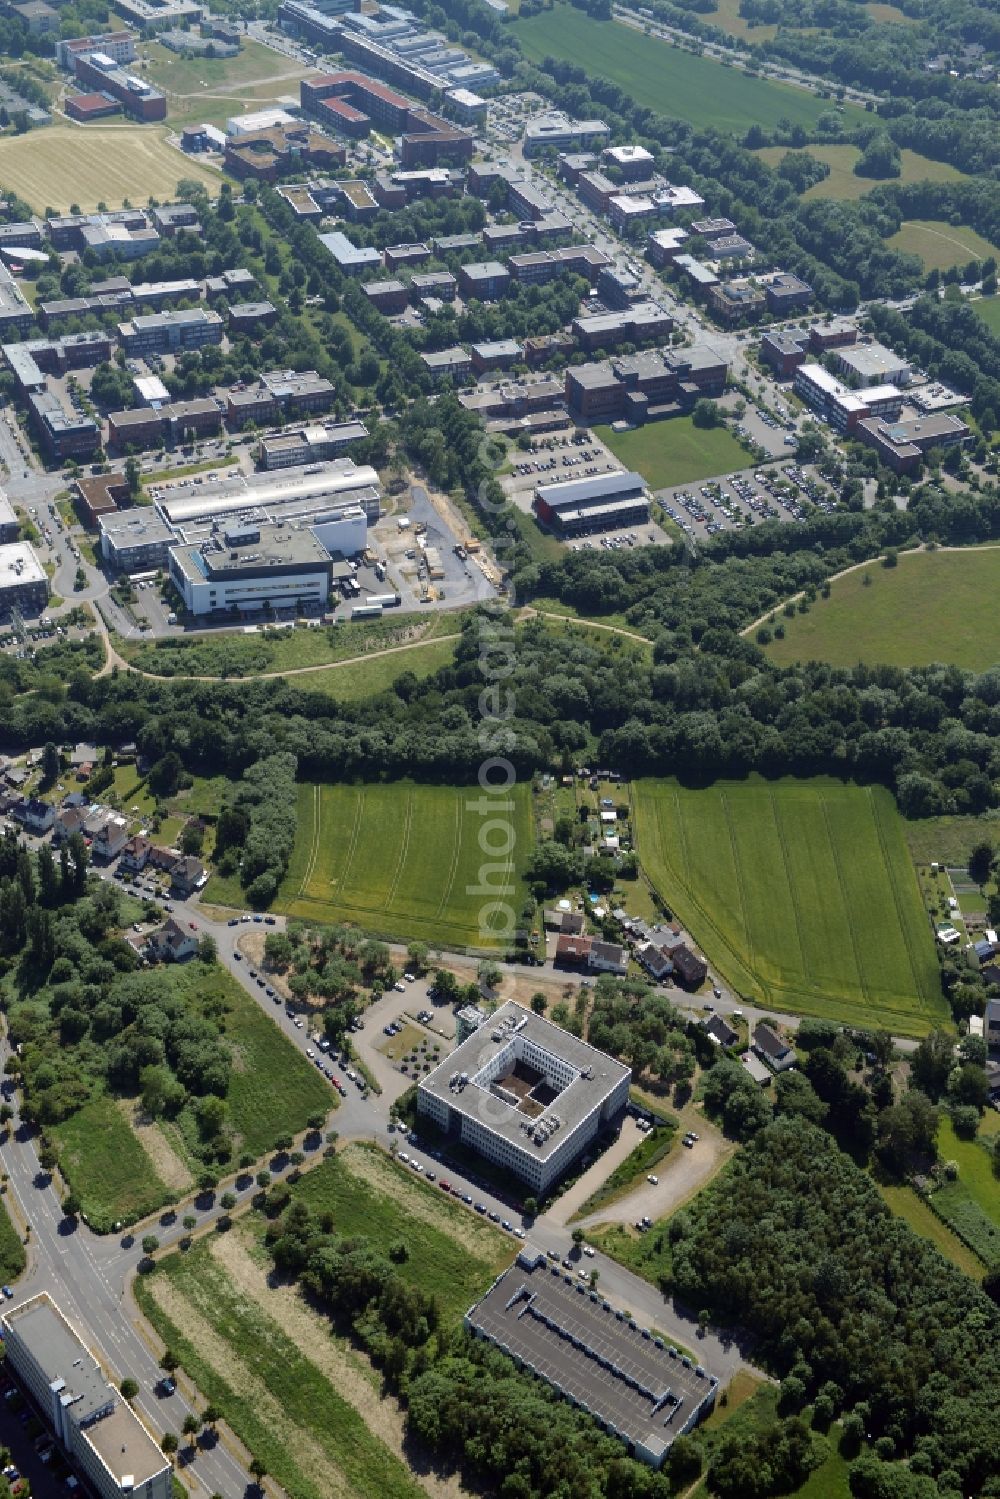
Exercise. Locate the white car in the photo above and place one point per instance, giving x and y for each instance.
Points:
(654, 1181)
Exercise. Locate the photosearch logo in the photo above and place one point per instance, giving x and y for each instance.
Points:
(497, 777)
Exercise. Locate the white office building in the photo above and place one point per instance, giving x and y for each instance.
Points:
(250, 568)
(525, 1094)
(92, 1423)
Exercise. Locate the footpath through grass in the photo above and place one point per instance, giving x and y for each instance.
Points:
(666, 78)
(801, 893)
(930, 607)
(941, 245)
(676, 451)
(401, 860)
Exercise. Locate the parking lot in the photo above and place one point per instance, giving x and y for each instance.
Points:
(738, 501)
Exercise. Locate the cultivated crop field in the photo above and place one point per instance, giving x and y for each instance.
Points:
(60, 165)
(676, 451)
(941, 245)
(933, 606)
(801, 893)
(666, 78)
(400, 860)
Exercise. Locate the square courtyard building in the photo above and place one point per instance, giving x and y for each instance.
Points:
(525, 1094)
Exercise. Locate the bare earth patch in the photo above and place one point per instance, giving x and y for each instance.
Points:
(349, 1374)
(167, 1164)
(378, 1171)
(308, 1454)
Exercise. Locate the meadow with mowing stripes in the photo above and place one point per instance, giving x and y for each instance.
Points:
(402, 860)
(801, 893)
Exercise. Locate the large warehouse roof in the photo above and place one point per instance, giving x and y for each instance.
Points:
(570, 493)
(186, 505)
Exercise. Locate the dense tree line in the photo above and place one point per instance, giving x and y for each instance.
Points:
(795, 1243)
(258, 826)
(81, 1010)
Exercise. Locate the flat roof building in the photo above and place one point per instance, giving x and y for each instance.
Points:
(560, 133)
(299, 494)
(525, 1094)
(454, 363)
(842, 407)
(902, 445)
(23, 581)
(603, 502)
(637, 1386)
(872, 364)
(250, 567)
(166, 332)
(136, 540)
(351, 258)
(309, 444)
(92, 1423)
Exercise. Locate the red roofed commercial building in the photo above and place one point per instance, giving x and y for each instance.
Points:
(84, 107)
(344, 116)
(384, 107)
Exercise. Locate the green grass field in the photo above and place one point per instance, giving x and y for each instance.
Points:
(366, 678)
(949, 840)
(988, 308)
(676, 451)
(801, 893)
(272, 1088)
(844, 183)
(103, 1161)
(281, 1405)
(941, 245)
(212, 89)
(933, 606)
(272, 1364)
(400, 860)
(665, 78)
(90, 164)
(450, 1266)
(905, 1203)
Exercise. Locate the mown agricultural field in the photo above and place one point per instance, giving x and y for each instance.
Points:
(666, 78)
(676, 451)
(401, 860)
(933, 606)
(941, 245)
(843, 182)
(301, 1397)
(60, 165)
(801, 893)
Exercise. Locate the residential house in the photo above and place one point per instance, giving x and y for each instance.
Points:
(991, 1027)
(111, 838)
(163, 858)
(689, 969)
(135, 854)
(656, 960)
(573, 952)
(170, 943)
(720, 1032)
(187, 875)
(608, 957)
(68, 821)
(772, 1049)
(570, 922)
(993, 1082)
(755, 1067)
(38, 816)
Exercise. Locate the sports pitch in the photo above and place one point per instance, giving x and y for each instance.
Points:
(801, 893)
(60, 165)
(933, 606)
(403, 860)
